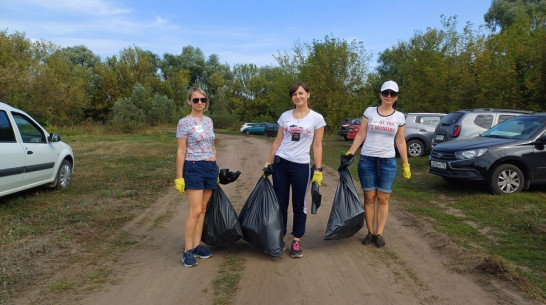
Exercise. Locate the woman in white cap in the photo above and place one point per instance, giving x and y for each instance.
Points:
(381, 127)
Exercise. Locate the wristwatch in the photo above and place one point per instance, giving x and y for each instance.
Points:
(318, 169)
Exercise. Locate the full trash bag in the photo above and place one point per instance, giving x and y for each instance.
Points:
(261, 219)
(221, 227)
(347, 214)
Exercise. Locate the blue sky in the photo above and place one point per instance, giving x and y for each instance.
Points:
(237, 31)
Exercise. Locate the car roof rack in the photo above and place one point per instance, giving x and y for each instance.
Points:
(497, 110)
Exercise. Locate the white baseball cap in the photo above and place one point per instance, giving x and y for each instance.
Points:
(390, 85)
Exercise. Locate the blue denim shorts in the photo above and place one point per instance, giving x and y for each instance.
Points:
(377, 173)
(200, 175)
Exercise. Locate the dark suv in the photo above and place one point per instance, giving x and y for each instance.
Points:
(508, 157)
(471, 123)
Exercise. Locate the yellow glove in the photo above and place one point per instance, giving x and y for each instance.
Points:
(406, 170)
(317, 177)
(180, 185)
(218, 179)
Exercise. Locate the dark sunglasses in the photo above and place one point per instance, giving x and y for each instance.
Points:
(387, 92)
(203, 100)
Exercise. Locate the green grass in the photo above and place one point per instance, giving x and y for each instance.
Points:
(508, 230)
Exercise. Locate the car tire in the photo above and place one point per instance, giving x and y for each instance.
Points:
(506, 179)
(416, 148)
(247, 131)
(64, 175)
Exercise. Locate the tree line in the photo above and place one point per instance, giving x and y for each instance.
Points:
(438, 70)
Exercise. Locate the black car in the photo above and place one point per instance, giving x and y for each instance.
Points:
(271, 130)
(508, 157)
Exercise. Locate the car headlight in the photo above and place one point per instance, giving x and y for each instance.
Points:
(470, 154)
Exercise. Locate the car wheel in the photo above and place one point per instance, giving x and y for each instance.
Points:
(415, 148)
(506, 179)
(64, 175)
(345, 137)
(247, 131)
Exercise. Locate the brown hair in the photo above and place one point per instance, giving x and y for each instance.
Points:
(295, 87)
(198, 90)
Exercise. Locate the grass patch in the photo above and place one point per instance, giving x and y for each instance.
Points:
(229, 274)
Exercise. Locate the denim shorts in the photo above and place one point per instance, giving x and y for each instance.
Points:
(377, 173)
(200, 175)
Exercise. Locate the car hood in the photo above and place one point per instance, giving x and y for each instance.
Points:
(471, 143)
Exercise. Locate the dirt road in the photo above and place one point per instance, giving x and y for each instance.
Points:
(416, 266)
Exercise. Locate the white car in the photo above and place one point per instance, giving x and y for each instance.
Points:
(246, 125)
(29, 155)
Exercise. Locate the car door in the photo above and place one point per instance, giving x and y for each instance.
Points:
(12, 156)
(40, 155)
(539, 158)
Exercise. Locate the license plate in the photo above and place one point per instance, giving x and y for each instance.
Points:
(439, 137)
(436, 164)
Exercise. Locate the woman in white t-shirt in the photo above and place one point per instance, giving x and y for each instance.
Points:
(381, 127)
(289, 160)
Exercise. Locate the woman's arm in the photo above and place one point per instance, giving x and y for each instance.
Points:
(317, 146)
(401, 144)
(275, 146)
(180, 156)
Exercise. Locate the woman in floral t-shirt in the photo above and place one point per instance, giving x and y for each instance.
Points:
(196, 171)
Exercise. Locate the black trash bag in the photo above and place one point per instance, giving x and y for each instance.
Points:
(316, 198)
(261, 219)
(221, 227)
(226, 176)
(347, 215)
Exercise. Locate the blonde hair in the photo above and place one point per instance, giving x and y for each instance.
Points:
(200, 91)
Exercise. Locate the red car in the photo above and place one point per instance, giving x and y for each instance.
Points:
(353, 130)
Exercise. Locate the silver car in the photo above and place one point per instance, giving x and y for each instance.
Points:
(420, 131)
(471, 123)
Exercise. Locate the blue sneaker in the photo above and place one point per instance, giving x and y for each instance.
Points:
(201, 252)
(188, 259)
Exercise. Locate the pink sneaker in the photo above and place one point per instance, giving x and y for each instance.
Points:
(296, 250)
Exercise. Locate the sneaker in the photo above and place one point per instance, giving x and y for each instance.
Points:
(283, 246)
(188, 259)
(201, 252)
(379, 241)
(370, 238)
(296, 250)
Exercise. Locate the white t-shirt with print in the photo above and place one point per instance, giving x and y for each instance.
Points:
(298, 135)
(381, 133)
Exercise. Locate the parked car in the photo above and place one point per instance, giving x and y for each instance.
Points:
(245, 125)
(29, 155)
(471, 123)
(259, 129)
(508, 157)
(271, 130)
(344, 127)
(419, 132)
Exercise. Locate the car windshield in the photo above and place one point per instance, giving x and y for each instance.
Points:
(516, 128)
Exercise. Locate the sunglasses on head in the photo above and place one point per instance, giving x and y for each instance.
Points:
(387, 92)
(203, 100)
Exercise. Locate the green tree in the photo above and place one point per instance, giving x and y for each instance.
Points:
(335, 70)
(503, 13)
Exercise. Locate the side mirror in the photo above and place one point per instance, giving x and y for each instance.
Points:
(53, 137)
